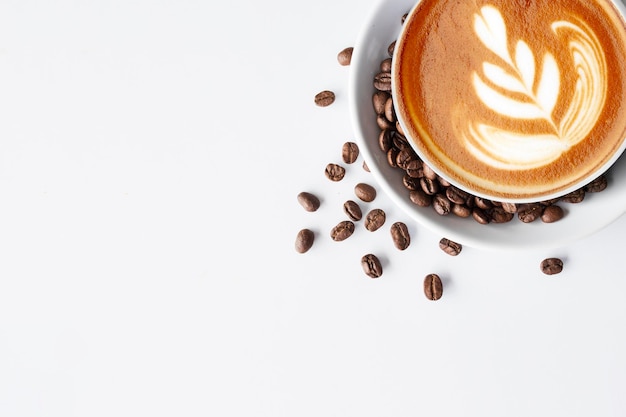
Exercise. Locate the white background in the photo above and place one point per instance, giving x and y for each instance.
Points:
(151, 153)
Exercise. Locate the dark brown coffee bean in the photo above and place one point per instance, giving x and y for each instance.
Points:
(414, 168)
(483, 203)
(429, 173)
(456, 195)
(379, 99)
(335, 172)
(349, 152)
(371, 265)
(574, 197)
(551, 266)
(375, 219)
(392, 156)
(404, 16)
(450, 247)
(410, 183)
(304, 240)
(353, 210)
(382, 81)
(383, 123)
(481, 216)
(597, 185)
(385, 139)
(385, 65)
(420, 198)
(365, 192)
(509, 207)
(441, 204)
(400, 235)
(443, 182)
(391, 48)
(342, 231)
(528, 213)
(324, 98)
(430, 187)
(552, 214)
(461, 210)
(344, 57)
(309, 201)
(499, 215)
(399, 128)
(390, 113)
(365, 167)
(433, 287)
(404, 157)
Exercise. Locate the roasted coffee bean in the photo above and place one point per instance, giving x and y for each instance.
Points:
(400, 235)
(574, 197)
(344, 57)
(481, 216)
(404, 16)
(450, 247)
(309, 201)
(382, 81)
(429, 173)
(483, 203)
(420, 198)
(597, 185)
(461, 210)
(414, 169)
(365, 192)
(552, 214)
(371, 265)
(528, 213)
(509, 207)
(400, 141)
(551, 266)
(404, 157)
(456, 195)
(365, 167)
(390, 113)
(385, 139)
(392, 156)
(433, 287)
(441, 204)
(342, 231)
(349, 152)
(374, 219)
(383, 123)
(304, 240)
(335, 172)
(399, 128)
(499, 215)
(379, 99)
(385, 65)
(324, 98)
(430, 187)
(353, 210)
(410, 183)
(443, 182)
(391, 47)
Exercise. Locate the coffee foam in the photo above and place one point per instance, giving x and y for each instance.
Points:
(513, 100)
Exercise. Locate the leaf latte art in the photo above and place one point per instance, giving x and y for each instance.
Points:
(513, 100)
(521, 89)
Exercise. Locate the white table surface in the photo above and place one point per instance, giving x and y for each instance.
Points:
(151, 153)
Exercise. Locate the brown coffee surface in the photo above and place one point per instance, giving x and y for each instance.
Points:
(516, 99)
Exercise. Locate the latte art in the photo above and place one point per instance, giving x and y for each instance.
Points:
(510, 91)
(516, 100)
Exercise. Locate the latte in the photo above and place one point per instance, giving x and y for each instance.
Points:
(513, 99)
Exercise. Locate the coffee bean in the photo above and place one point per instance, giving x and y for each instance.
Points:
(379, 99)
(391, 48)
(375, 219)
(400, 235)
(509, 207)
(551, 266)
(481, 216)
(441, 204)
(429, 173)
(349, 152)
(344, 57)
(420, 198)
(353, 210)
(324, 98)
(456, 195)
(382, 81)
(528, 213)
(450, 247)
(385, 65)
(304, 240)
(371, 266)
(390, 113)
(342, 231)
(430, 187)
(414, 169)
(383, 123)
(335, 172)
(552, 214)
(499, 215)
(392, 157)
(574, 197)
(461, 210)
(597, 185)
(365, 167)
(433, 287)
(365, 192)
(309, 201)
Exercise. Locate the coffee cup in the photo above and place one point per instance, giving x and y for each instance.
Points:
(513, 100)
